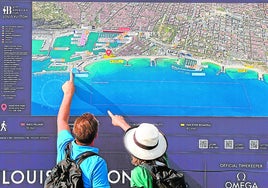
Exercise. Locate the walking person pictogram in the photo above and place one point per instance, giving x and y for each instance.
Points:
(3, 126)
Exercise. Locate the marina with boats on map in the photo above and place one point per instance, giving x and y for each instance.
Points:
(189, 39)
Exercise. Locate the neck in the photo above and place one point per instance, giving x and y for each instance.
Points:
(83, 144)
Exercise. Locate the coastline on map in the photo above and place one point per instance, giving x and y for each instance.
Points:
(81, 47)
(237, 68)
(81, 33)
(47, 46)
(213, 54)
(73, 54)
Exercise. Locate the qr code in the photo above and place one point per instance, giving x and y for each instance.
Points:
(203, 144)
(228, 144)
(253, 144)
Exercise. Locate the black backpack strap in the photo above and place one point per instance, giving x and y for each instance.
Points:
(149, 168)
(81, 157)
(85, 155)
(68, 150)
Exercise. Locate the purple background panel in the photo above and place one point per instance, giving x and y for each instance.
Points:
(26, 148)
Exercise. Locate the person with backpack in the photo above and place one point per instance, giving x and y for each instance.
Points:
(94, 168)
(147, 147)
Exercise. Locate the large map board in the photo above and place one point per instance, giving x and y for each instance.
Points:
(197, 70)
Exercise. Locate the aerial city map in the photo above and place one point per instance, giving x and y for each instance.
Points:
(152, 59)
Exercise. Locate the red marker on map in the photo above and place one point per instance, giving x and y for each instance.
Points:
(108, 52)
(3, 107)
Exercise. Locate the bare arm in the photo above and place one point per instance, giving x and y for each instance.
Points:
(119, 121)
(64, 111)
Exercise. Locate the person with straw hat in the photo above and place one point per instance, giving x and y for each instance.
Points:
(146, 145)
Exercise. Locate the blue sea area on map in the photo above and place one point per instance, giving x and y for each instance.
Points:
(141, 89)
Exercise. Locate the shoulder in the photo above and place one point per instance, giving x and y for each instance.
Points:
(140, 177)
(140, 172)
(64, 136)
(64, 133)
(95, 162)
(138, 169)
(96, 158)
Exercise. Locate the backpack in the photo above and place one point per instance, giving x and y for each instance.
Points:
(67, 173)
(165, 177)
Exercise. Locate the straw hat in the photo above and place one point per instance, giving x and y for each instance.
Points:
(145, 142)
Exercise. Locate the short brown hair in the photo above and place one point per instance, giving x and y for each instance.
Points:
(85, 128)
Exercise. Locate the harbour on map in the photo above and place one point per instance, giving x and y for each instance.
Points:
(150, 69)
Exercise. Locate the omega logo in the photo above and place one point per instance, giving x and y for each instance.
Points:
(241, 176)
(241, 182)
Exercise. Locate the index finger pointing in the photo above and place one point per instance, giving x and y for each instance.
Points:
(110, 113)
(71, 76)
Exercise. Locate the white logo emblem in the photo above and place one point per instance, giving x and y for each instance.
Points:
(7, 10)
(241, 182)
